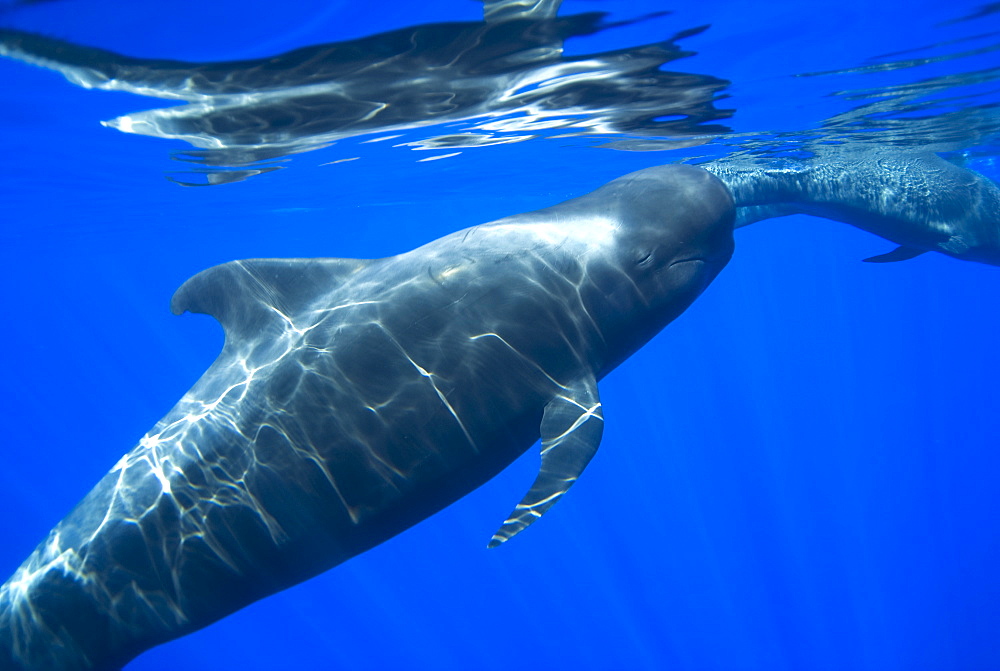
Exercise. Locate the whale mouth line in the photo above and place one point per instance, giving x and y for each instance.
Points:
(692, 259)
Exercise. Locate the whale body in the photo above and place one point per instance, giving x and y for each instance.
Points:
(914, 198)
(354, 398)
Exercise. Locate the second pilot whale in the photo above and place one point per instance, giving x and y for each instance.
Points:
(912, 197)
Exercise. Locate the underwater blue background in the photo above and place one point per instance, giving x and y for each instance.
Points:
(799, 473)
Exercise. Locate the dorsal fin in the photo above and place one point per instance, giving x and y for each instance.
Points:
(246, 295)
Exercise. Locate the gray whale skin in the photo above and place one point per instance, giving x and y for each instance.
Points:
(354, 398)
(911, 197)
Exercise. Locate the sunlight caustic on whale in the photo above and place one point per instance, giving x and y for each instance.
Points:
(354, 398)
(911, 197)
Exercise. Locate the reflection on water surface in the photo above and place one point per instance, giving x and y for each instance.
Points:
(498, 81)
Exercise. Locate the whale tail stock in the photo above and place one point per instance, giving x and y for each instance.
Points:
(914, 198)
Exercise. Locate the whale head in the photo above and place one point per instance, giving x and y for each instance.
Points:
(673, 233)
(674, 221)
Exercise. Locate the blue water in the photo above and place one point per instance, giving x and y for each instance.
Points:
(799, 473)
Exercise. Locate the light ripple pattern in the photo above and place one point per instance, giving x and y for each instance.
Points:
(354, 398)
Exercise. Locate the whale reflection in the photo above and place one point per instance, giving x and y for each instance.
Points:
(503, 79)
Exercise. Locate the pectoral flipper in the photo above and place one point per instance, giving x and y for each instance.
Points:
(571, 430)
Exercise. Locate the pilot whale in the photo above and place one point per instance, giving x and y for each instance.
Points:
(354, 398)
(911, 197)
